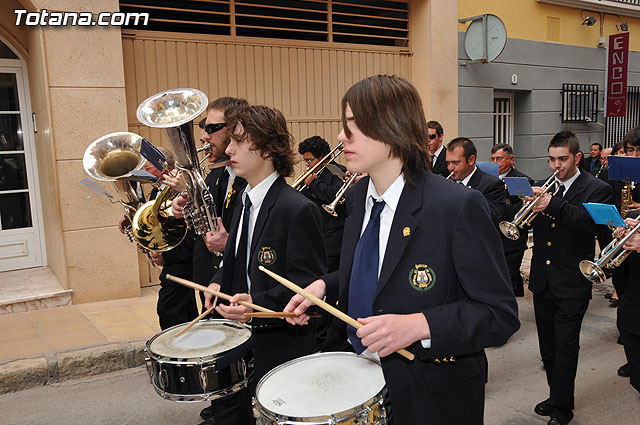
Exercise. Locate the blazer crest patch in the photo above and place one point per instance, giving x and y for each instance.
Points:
(267, 256)
(422, 277)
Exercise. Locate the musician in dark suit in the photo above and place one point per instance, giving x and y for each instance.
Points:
(563, 234)
(277, 228)
(444, 304)
(592, 163)
(461, 162)
(322, 188)
(435, 134)
(502, 154)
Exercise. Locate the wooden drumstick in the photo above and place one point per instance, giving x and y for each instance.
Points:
(278, 315)
(196, 320)
(326, 306)
(222, 295)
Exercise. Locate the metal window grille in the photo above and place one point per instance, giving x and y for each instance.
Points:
(617, 127)
(503, 118)
(377, 22)
(636, 2)
(579, 102)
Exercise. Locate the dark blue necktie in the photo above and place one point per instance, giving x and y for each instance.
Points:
(240, 264)
(364, 274)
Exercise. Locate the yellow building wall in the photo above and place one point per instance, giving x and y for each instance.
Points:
(532, 20)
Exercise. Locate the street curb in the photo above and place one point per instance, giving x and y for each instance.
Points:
(52, 367)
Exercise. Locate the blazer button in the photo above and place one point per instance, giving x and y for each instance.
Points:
(549, 243)
(548, 262)
(553, 224)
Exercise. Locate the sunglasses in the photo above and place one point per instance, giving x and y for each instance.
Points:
(433, 136)
(213, 128)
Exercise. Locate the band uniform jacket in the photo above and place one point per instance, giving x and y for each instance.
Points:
(586, 165)
(286, 240)
(205, 263)
(440, 167)
(462, 287)
(321, 191)
(629, 308)
(563, 235)
(513, 205)
(493, 190)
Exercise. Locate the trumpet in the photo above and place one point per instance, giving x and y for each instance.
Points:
(525, 216)
(609, 258)
(331, 208)
(299, 185)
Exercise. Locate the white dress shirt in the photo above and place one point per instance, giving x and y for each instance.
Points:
(567, 183)
(256, 195)
(465, 181)
(435, 155)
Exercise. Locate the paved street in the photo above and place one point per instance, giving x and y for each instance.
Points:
(516, 384)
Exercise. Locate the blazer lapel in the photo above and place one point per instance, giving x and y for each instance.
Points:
(474, 181)
(576, 187)
(403, 228)
(263, 215)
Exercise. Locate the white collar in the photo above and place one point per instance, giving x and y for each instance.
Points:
(567, 184)
(391, 196)
(437, 153)
(258, 193)
(502, 176)
(465, 181)
(232, 174)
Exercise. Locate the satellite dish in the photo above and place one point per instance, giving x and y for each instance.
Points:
(485, 38)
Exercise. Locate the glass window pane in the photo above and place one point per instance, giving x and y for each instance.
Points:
(15, 211)
(11, 133)
(13, 174)
(8, 93)
(6, 52)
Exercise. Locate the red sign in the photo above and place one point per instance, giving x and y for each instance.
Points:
(617, 75)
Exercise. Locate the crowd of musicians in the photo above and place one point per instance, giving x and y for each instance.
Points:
(413, 251)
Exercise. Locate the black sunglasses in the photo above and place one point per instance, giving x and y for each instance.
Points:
(213, 128)
(433, 136)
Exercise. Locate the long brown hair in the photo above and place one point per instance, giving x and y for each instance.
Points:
(388, 109)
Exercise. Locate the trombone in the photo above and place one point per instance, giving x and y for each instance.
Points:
(299, 185)
(525, 216)
(609, 258)
(331, 208)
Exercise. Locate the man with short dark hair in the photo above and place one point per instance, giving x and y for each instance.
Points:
(322, 188)
(513, 250)
(563, 234)
(592, 163)
(435, 135)
(461, 162)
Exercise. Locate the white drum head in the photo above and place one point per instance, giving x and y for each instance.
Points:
(205, 338)
(320, 385)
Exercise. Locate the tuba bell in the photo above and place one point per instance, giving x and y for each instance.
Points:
(173, 111)
(112, 158)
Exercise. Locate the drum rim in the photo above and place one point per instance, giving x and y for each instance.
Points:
(192, 360)
(345, 414)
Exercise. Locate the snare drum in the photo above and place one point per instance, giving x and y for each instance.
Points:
(210, 360)
(325, 388)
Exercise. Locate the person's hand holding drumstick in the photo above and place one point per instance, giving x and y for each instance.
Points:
(233, 311)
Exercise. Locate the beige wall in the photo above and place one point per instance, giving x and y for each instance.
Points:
(434, 61)
(77, 92)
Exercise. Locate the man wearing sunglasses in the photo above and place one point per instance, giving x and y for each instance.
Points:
(435, 134)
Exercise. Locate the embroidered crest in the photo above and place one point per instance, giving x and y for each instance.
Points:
(406, 232)
(422, 278)
(266, 256)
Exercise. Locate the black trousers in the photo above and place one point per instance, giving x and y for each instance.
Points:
(176, 305)
(514, 261)
(559, 322)
(632, 351)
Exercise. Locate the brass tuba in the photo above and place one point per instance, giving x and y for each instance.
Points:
(173, 111)
(112, 158)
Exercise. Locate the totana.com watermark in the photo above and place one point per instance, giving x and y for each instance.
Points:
(85, 19)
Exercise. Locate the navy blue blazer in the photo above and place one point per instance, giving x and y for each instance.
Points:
(443, 259)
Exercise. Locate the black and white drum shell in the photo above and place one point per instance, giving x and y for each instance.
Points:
(323, 389)
(211, 360)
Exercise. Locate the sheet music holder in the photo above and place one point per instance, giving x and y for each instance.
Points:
(153, 155)
(518, 186)
(95, 187)
(605, 214)
(143, 176)
(623, 168)
(488, 167)
(335, 170)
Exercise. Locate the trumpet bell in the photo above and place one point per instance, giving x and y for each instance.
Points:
(592, 271)
(509, 230)
(330, 209)
(155, 235)
(113, 156)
